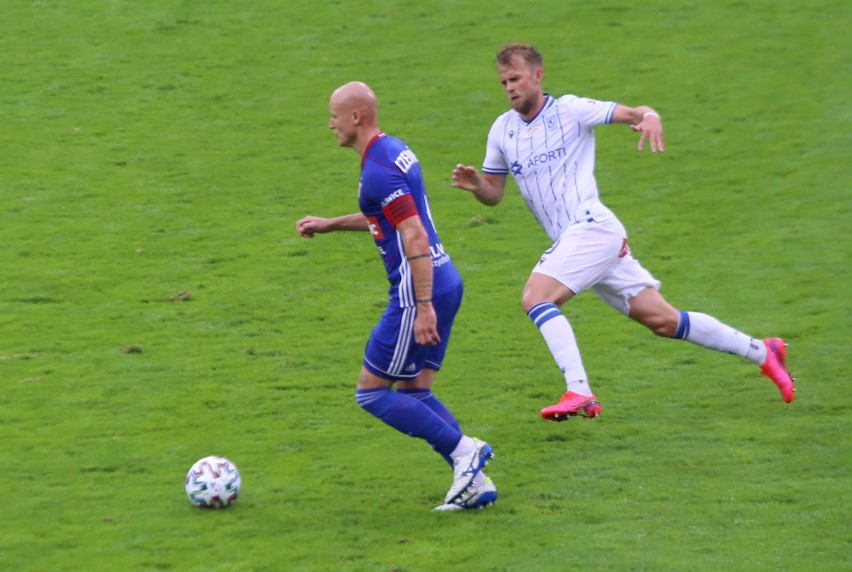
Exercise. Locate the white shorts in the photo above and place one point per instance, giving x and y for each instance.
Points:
(595, 256)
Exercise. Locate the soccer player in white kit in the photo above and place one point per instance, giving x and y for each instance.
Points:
(548, 145)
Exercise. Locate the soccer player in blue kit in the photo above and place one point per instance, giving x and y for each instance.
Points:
(548, 145)
(408, 344)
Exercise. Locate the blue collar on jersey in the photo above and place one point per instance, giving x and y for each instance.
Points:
(547, 103)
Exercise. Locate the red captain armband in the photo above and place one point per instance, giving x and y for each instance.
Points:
(400, 209)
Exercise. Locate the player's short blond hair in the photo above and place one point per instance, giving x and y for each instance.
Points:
(531, 55)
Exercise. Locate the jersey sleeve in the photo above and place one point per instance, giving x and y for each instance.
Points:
(390, 193)
(495, 160)
(590, 112)
(400, 208)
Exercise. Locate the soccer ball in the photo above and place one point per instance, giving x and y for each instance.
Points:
(213, 482)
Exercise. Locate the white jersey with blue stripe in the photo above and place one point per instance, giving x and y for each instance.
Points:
(552, 158)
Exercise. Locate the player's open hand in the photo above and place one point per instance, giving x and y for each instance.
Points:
(651, 128)
(466, 177)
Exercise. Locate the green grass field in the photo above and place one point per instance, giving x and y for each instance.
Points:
(157, 306)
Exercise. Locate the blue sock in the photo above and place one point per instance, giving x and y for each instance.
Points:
(682, 330)
(426, 397)
(409, 415)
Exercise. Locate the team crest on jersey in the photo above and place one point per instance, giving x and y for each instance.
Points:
(375, 228)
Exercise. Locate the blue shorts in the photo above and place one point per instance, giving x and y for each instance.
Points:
(391, 352)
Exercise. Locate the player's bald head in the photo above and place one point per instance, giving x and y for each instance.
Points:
(356, 96)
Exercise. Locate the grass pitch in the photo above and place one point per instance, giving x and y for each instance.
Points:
(157, 306)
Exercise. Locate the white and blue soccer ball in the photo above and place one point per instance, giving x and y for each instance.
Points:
(213, 482)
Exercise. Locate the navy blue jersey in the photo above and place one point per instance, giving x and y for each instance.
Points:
(390, 180)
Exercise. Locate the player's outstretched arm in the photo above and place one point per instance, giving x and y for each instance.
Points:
(487, 188)
(644, 120)
(311, 225)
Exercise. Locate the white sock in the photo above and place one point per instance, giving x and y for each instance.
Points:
(706, 331)
(559, 336)
(580, 387)
(465, 446)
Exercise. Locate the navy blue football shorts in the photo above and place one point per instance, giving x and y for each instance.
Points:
(391, 352)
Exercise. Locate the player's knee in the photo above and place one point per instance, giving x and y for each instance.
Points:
(530, 300)
(541, 289)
